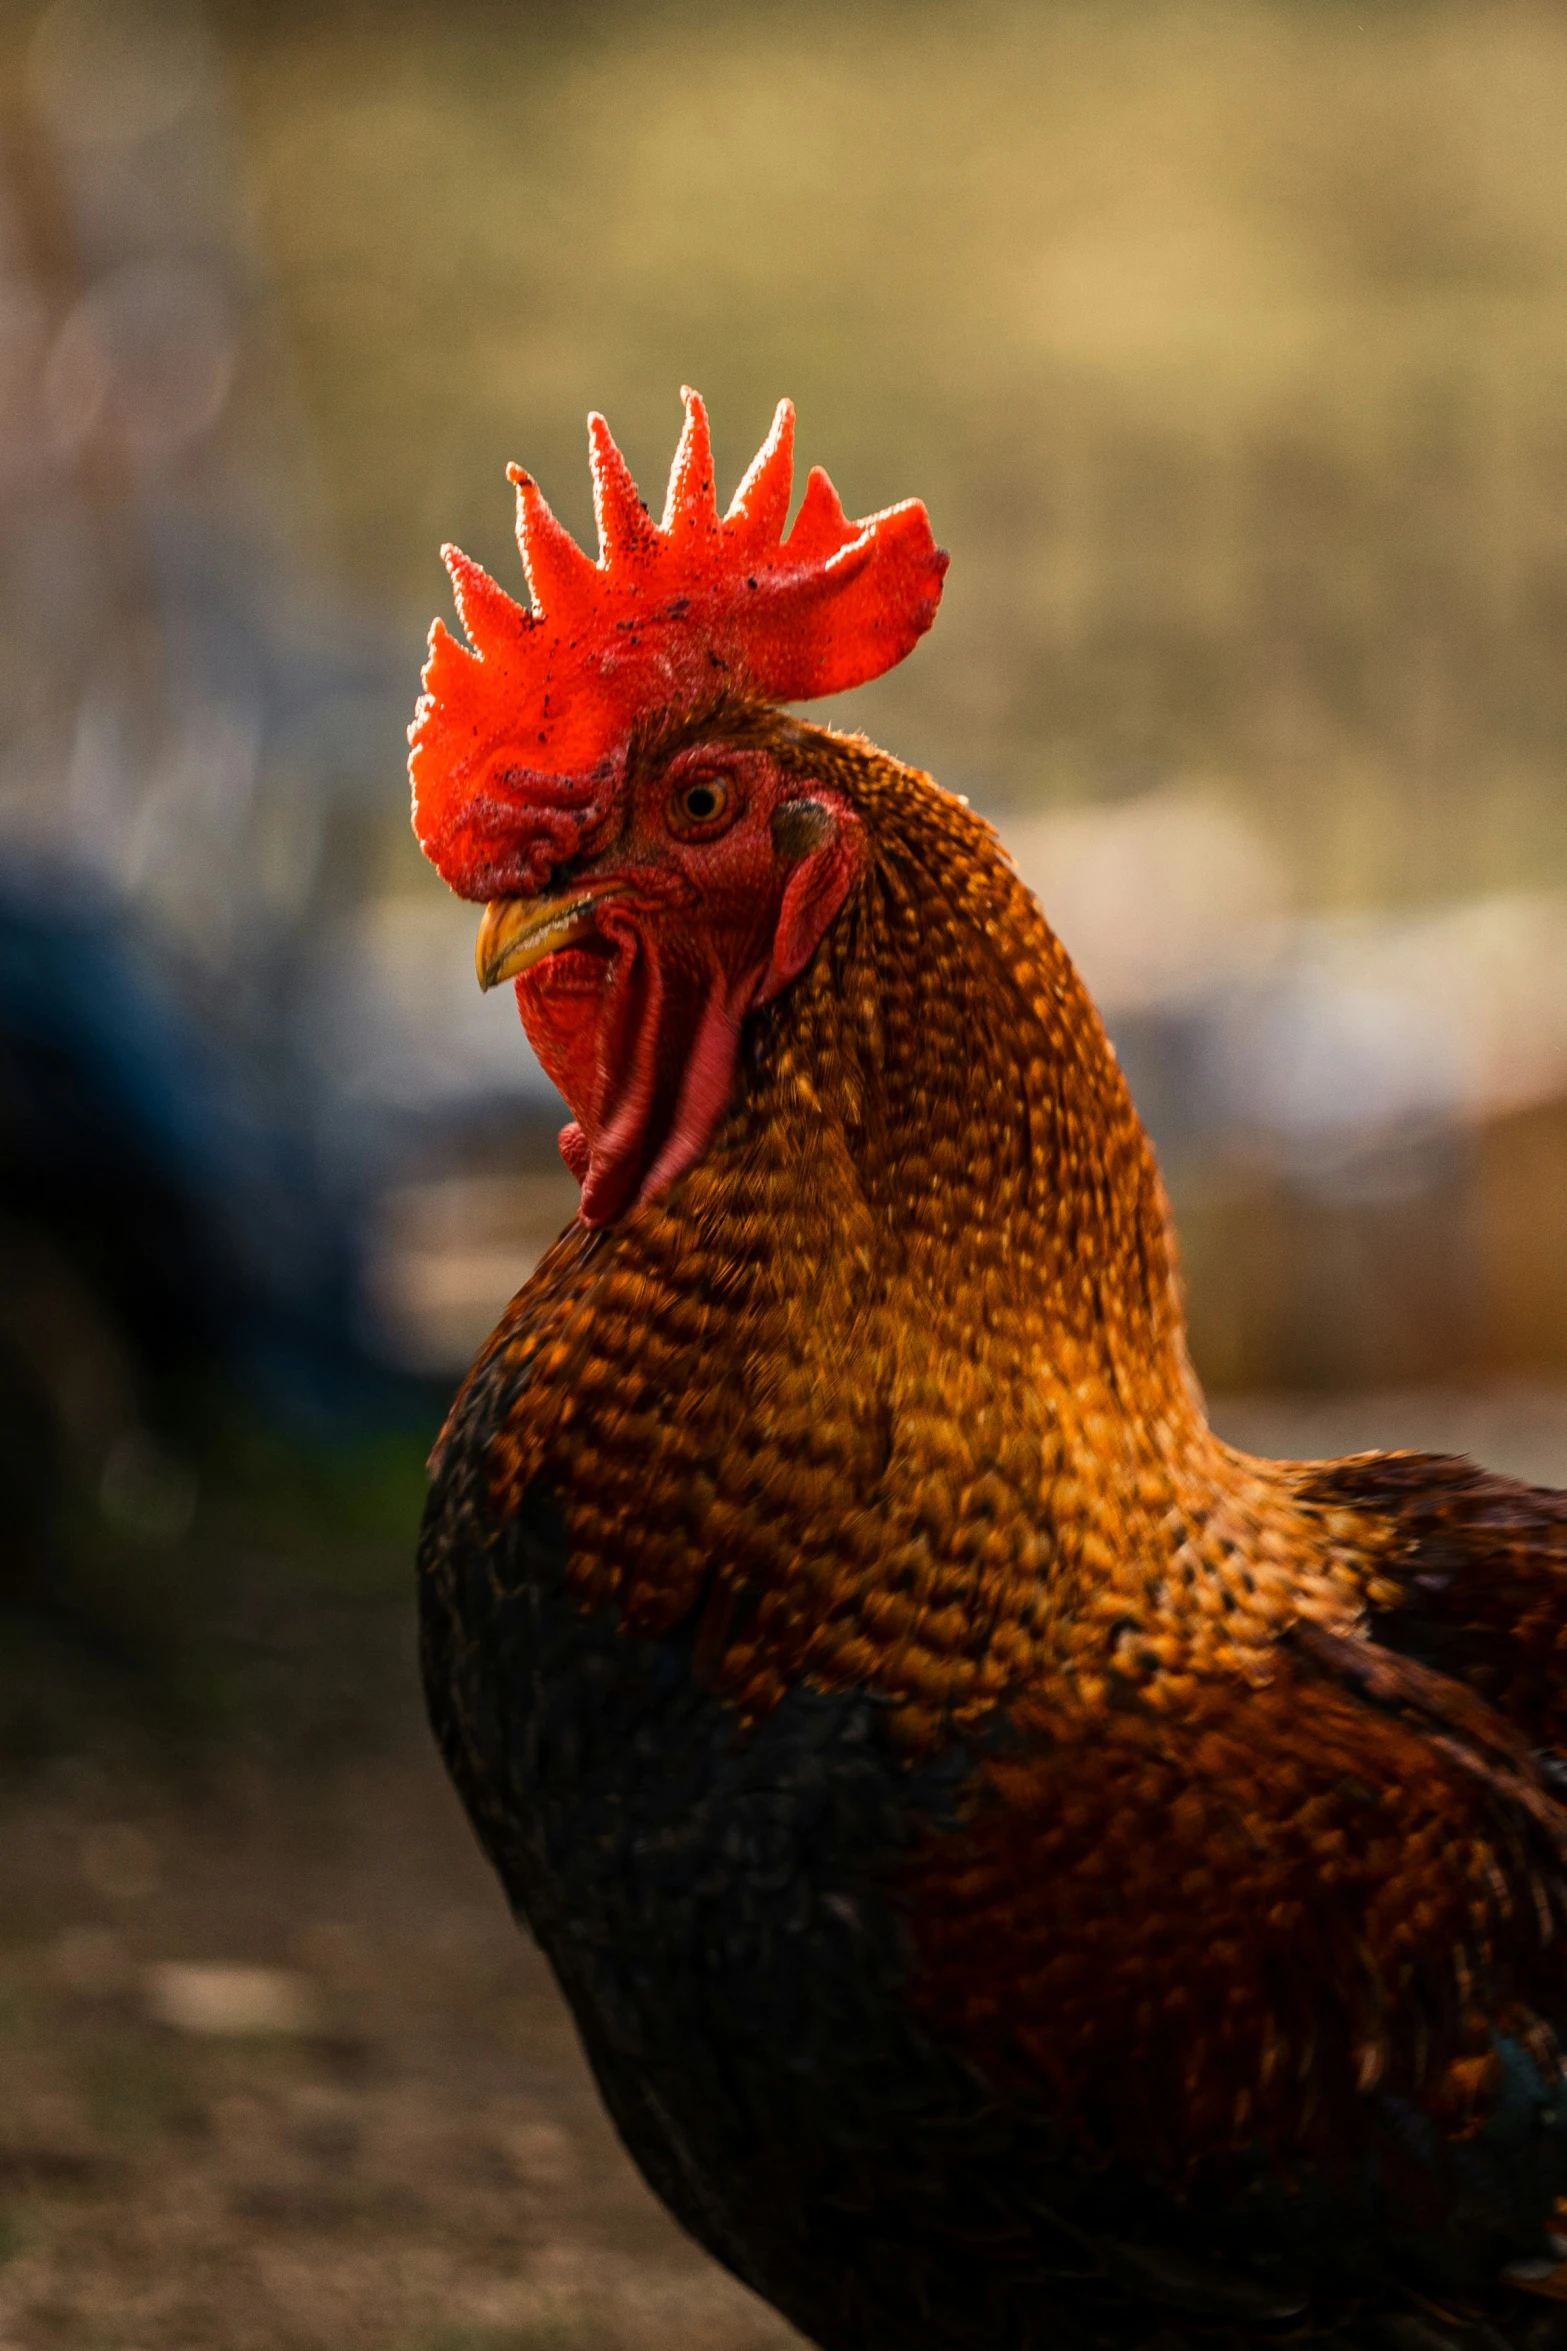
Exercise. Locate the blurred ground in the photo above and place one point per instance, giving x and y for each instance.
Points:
(409, 2157)
(379, 2133)
(421, 2171)
(424, 2168)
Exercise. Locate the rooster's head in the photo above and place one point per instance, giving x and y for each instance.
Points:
(608, 774)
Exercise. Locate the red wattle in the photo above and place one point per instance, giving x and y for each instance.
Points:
(659, 1073)
(640, 1026)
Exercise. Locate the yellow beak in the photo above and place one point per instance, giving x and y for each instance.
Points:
(517, 933)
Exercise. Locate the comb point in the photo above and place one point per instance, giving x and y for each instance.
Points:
(560, 576)
(692, 499)
(623, 522)
(760, 507)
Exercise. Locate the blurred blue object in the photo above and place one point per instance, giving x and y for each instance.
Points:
(177, 1180)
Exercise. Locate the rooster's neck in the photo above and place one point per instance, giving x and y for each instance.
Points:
(941, 1087)
(892, 1387)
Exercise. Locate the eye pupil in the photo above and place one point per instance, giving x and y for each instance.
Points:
(699, 805)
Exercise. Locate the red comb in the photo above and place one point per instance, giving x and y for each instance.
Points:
(670, 615)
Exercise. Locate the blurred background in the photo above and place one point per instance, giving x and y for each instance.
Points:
(1226, 341)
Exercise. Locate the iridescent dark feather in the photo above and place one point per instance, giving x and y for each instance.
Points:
(1479, 1576)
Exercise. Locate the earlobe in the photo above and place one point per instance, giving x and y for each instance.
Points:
(815, 891)
(800, 826)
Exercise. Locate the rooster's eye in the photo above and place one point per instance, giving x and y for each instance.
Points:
(698, 805)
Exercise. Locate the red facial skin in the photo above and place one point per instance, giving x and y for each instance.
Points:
(717, 909)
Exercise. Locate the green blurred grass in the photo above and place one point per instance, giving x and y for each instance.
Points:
(1226, 340)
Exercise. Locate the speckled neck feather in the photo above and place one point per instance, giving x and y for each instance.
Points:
(894, 1384)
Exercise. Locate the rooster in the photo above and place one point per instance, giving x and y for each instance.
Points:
(1024, 1873)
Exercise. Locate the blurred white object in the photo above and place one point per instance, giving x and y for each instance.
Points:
(233, 2001)
(1155, 899)
(1313, 1028)
(1313, 1053)
(1455, 1015)
(1491, 971)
